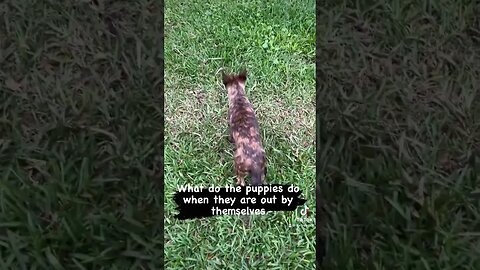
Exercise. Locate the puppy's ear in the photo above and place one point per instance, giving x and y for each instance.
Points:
(226, 79)
(242, 76)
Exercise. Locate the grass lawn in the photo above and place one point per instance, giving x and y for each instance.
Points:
(399, 134)
(80, 135)
(275, 41)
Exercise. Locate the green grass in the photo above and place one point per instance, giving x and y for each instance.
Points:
(275, 41)
(80, 135)
(399, 134)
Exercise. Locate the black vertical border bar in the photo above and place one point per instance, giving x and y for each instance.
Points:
(320, 242)
(161, 37)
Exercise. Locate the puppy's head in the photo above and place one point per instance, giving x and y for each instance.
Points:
(240, 78)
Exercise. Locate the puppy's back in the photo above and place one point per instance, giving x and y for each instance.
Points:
(245, 132)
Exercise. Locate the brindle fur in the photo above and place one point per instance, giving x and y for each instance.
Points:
(244, 132)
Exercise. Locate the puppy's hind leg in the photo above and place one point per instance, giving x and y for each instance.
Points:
(241, 180)
(240, 177)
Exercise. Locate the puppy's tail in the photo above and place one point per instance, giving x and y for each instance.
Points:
(258, 175)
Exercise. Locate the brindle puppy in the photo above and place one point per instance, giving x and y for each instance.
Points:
(244, 132)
